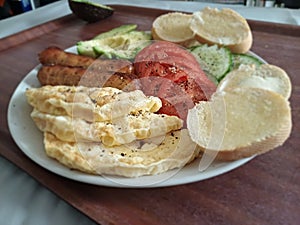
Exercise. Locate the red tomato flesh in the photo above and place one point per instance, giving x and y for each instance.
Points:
(172, 73)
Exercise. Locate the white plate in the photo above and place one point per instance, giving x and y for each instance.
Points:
(30, 141)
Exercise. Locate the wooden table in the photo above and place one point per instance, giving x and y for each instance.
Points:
(264, 191)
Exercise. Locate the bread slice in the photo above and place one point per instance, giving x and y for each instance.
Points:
(266, 76)
(173, 27)
(222, 27)
(240, 123)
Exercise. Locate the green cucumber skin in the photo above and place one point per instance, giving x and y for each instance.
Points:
(235, 61)
(204, 55)
(239, 59)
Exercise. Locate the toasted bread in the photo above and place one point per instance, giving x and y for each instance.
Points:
(266, 76)
(222, 27)
(240, 123)
(173, 27)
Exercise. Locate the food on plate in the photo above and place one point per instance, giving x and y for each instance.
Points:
(118, 131)
(146, 157)
(90, 11)
(172, 73)
(223, 27)
(122, 45)
(208, 26)
(240, 122)
(215, 61)
(94, 76)
(56, 56)
(244, 59)
(145, 107)
(219, 39)
(90, 104)
(173, 27)
(123, 29)
(64, 68)
(60, 75)
(106, 131)
(266, 76)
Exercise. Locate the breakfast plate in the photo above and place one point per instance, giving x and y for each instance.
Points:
(30, 141)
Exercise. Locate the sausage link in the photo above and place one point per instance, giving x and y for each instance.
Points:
(74, 76)
(60, 75)
(56, 56)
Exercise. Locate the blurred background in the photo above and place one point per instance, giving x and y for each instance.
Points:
(9, 8)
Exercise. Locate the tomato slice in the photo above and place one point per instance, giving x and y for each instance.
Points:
(172, 73)
(161, 69)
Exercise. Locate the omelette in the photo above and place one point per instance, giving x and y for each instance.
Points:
(109, 131)
(140, 158)
(122, 130)
(90, 104)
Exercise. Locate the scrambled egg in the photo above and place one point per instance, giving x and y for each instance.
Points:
(175, 150)
(108, 131)
(90, 104)
(122, 130)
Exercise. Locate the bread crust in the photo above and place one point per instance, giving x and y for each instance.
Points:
(240, 110)
(173, 27)
(232, 31)
(257, 148)
(265, 76)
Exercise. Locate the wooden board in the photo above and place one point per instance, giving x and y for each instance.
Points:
(264, 191)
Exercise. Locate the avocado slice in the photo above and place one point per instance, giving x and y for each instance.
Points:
(86, 47)
(123, 29)
(90, 11)
(123, 46)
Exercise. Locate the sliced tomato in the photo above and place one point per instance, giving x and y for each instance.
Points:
(172, 73)
(161, 69)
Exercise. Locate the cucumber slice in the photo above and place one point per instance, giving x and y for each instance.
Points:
(123, 29)
(239, 59)
(215, 61)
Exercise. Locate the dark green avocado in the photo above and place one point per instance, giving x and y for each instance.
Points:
(90, 11)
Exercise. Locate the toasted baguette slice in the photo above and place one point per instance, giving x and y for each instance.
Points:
(173, 27)
(222, 27)
(240, 123)
(266, 76)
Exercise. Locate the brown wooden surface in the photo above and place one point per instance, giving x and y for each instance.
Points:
(264, 191)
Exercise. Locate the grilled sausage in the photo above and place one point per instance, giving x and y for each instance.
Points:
(73, 76)
(57, 56)
(60, 75)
